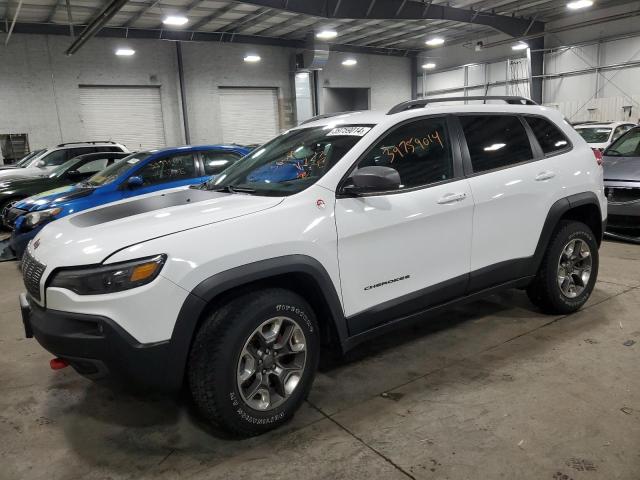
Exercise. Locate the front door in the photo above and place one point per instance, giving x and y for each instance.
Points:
(402, 251)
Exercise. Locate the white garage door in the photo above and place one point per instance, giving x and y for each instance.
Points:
(249, 115)
(128, 115)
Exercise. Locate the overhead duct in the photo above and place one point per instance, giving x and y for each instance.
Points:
(315, 55)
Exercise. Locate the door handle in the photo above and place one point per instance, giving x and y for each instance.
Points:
(546, 175)
(451, 198)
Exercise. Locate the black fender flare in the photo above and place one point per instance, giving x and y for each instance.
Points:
(556, 212)
(209, 289)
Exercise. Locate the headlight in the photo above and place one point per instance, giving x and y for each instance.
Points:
(109, 278)
(34, 219)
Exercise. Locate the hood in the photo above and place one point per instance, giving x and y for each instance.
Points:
(23, 172)
(91, 236)
(622, 168)
(600, 146)
(53, 198)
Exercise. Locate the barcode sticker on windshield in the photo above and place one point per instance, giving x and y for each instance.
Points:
(354, 131)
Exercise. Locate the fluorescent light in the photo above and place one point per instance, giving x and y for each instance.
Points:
(520, 46)
(125, 52)
(435, 41)
(252, 58)
(577, 5)
(494, 147)
(326, 34)
(349, 62)
(429, 65)
(176, 20)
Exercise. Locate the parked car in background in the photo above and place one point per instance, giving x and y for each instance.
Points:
(72, 171)
(622, 186)
(47, 159)
(601, 135)
(23, 162)
(137, 174)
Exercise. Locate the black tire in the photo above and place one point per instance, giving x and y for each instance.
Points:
(544, 291)
(215, 355)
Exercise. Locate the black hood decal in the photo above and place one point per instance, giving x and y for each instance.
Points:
(143, 205)
(76, 193)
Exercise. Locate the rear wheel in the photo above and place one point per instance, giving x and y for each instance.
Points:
(568, 270)
(253, 361)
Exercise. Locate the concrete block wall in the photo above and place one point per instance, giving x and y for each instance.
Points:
(39, 85)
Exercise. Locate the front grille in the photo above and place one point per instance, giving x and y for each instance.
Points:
(622, 195)
(10, 214)
(32, 271)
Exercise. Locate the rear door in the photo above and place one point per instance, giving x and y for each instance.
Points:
(404, 250)
(514, 183)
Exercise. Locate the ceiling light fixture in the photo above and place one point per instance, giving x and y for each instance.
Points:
(326, 34)
(349, 62)
(435, 41)
(577, 5)
(125, 52)
(177, 20)
(429, 65)
(520, 46)
(251, 58)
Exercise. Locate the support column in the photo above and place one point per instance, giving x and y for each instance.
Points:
(414, 78)
(536, 68)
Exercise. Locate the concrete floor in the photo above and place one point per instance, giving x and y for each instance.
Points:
(492, 390)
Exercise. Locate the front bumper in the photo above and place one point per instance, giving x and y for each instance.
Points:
(98, 348)
(19, 240)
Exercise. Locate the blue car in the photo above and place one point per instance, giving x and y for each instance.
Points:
(137, 174)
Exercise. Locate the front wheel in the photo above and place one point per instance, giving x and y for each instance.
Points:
(568, 271)
(253, 361)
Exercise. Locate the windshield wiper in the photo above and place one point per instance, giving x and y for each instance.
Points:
(234, 189)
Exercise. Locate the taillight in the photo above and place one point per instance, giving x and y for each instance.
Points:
(598, 154)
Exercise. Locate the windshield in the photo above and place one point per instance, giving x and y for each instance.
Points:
(24, 161)
(290, 162)
(627, 145)
(595, 135)
(109, 174)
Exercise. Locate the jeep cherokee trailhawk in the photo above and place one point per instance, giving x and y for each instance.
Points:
(343, 228)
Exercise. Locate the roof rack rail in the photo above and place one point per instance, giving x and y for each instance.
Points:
(324, 115)
(92, 142)
(512, 100)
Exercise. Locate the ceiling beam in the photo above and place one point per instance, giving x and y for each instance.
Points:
(52, 12)
(394, 9)
(137, 16)
(257, 16)
(212, 16)
(95, 25)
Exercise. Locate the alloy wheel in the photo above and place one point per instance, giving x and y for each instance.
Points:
(574, 268)
(271, 363)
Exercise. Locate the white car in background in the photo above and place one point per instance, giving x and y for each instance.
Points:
(602, 134)
(42, 162)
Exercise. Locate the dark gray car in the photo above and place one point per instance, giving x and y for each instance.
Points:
(622, 186)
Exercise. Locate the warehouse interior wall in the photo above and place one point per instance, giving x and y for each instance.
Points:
(40, 86)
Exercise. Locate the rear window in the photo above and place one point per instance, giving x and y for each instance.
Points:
(595, 134)
(550, 137)
(495, 141)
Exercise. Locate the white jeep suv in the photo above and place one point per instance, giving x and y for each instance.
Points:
(343, 228)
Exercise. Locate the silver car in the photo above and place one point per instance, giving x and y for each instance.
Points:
(622, 186)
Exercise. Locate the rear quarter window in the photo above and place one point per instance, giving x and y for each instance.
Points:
(549, 136)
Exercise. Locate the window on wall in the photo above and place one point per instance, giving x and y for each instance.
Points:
(550, 138)
(495, 141)
(14, 146)
(420, 151)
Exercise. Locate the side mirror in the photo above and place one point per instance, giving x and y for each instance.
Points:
(135, 181)
(74, 174)
(40, 164)
(373, 179)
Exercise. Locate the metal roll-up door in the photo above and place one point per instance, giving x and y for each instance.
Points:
(248, 115)
(128, 115)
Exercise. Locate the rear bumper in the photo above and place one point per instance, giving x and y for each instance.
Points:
(98, 348)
